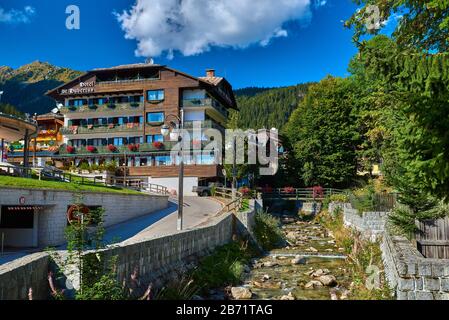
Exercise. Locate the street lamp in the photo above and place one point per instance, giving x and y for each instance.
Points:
(167, 130)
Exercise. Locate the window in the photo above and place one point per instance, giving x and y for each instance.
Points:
(155, 117)
(163, 161)
(155, 138)
(155, 95)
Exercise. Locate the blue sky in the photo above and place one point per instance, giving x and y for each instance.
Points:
(316, 45)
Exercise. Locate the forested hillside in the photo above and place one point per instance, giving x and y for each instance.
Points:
(268, 108)
(26, 86)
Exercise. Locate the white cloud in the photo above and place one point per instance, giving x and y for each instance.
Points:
(194, 26)
(14, 16)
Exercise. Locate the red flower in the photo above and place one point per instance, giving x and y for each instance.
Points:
(112, 148)
(318, 191)
(133, 147)
(289, 190)
(158, 144)
(91, 149)
(70, 149)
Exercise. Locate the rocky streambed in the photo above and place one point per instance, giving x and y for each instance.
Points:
(310, 267)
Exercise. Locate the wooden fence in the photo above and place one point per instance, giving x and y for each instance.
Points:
(433, 238)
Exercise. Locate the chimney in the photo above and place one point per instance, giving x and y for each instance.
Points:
(210, 73)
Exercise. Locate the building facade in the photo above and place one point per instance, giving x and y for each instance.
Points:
(116, 115)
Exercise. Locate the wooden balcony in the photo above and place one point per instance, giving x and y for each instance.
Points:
(95, 129)
(104, 109)
(202, 171)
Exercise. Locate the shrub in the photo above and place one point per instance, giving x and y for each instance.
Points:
(342, 198)
(267, 230)
(85, 166)
(224, 267)
(178, 290)
(111, 166)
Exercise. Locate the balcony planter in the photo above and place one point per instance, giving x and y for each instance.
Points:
(91, 149)
(112, 148)
(135, 104)
(111, 106)
(289, 190)
(133, 147)
(70, 149)
(93, 106)
(72, 108)
(158, 145)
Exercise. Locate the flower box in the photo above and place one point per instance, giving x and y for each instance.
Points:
(133, 147)
(135, 104)
(70, 149)
(112, 148)
(111, 106)
(158, 145)
(93, 106)
(91, 149)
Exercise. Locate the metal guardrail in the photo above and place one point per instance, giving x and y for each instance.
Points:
(299, 193)
(101, 129)
(139, 185)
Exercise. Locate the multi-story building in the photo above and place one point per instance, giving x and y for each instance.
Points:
(116, 114)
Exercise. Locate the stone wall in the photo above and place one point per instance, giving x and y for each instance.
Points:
(410, 274)
(161, 259)
(370, 224)
(53, 220)
(17, 277)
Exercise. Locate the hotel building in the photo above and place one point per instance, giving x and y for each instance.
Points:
(116, 114)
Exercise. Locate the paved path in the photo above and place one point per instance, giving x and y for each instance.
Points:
(196, 211)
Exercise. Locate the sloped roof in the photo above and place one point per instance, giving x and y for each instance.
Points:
(212, 80)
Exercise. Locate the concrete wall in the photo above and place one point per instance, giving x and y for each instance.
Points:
(17, 277)
(370, 224)
(173, 184)
(167, 257)
(53, 220)
(412, 276)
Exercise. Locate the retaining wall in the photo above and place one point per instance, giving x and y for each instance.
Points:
(52, 220)
(370, 224)
(410, 274)
(18, 276)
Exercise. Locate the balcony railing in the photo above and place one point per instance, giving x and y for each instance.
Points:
(207, 124)
(165, 147)
(75, 130)
(201, 103)
(111, 107)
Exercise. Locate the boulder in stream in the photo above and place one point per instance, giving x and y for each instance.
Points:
(288, 297)
(241, 293)
(299, 260)
(313, 284)
(328, 280)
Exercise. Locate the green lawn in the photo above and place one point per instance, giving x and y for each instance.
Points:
(14, 182)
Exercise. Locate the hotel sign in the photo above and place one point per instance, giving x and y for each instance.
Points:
(84, 87)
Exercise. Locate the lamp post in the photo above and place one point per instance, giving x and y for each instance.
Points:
(165, 130)
(1, 93)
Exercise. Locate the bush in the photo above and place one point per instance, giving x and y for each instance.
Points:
(111, 166)
(267, 230)
(85, 166)
(224, 267)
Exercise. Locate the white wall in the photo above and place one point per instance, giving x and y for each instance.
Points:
(173, 183)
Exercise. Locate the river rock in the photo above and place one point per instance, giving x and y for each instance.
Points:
(320, 272)
(288, 297)
(267, 285)
(312, 249)
(291, 235)
(313, 284)
(241, 293)
(299, 260)
(333, 294)
(328, 280)
(266, 277)
(270, 264)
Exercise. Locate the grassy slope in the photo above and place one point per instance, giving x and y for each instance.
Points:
(12, 182)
